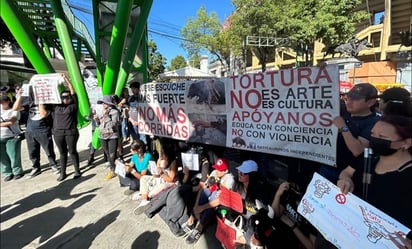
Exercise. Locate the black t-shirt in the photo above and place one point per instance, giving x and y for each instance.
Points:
(65, 117)
(35, 123)
(390, 192)
(359, 127)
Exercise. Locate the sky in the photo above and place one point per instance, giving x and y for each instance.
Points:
(166, 19)
(169, 17)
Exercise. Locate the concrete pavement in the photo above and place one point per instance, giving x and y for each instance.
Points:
(88, 212)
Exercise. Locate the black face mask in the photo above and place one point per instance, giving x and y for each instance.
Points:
(381, 146)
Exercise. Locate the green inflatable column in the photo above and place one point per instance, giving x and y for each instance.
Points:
(121, 24)
(71, 62)
(136, 39)
(24, 37)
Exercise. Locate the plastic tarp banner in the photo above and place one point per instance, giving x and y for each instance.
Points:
(287, 112)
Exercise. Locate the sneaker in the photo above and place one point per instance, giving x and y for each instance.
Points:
(77, 175)
(136, 196)
(110, 175)
(193, 237)
(8, 178)
(34, 172)
(18, 176)
(107, 164)
(141, 207)
(188, 228)
(55, 169)
(129, 192)
(90, 161)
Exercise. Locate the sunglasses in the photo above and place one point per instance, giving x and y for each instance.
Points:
(242, 174)
(65, 96)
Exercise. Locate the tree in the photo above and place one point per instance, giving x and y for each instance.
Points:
(301, 21)
(205, 33)
(177, 62)
(157, 62)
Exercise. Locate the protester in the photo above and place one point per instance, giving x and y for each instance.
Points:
(38, 132)
(389, 187)
(395, 101)
(123, 105)
(165, 177)
(133, 110)
(254, 190)
(109, 133)
(65, 130)
(137, 167)
(296, 231)
(354, 131)
(207, 199)
(10, 147)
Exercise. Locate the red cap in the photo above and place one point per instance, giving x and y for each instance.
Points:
(221, 164)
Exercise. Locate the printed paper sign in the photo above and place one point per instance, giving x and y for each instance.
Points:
(153, 167)
(190, 160)
(346, 220)
(47, 88)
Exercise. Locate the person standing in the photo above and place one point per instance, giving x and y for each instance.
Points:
(10, 147)
(354, 129)
(109, 123)
(133, 110)
(38, 133)
(65, 130)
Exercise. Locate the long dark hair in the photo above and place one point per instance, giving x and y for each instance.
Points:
(251, 194)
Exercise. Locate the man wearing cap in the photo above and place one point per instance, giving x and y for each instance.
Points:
(207, 199)
(133, 105)
(109, 132)
(354, 130)
(395, 101)
(38, 132)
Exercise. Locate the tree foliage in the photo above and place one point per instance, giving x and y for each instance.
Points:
(205, 34)
(156, 63)
(177, 62)
(302, 21)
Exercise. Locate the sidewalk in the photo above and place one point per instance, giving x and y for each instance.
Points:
(84, 213)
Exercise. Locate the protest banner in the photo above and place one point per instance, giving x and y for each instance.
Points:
(346, 220)
(287, 112)
(161, 110)
(47, 88)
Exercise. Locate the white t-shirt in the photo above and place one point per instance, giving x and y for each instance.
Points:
(6, 115)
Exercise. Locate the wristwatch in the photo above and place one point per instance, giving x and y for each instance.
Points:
(344, 129)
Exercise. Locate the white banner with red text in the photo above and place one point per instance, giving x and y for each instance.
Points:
(287, 112)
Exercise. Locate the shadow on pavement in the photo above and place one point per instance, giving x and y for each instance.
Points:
(39, 226)
(61, 191)
(147, 240)
(81, 237)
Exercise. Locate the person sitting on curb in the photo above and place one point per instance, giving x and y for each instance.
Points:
(207, 199)
(165, 177)
(137, 167)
